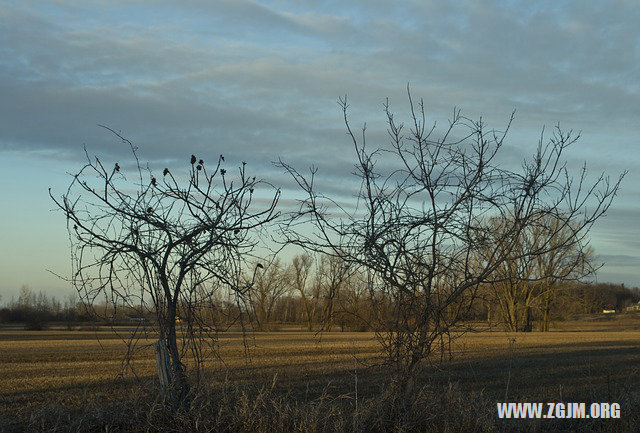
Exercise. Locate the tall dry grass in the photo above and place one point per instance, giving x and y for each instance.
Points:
(252, 409)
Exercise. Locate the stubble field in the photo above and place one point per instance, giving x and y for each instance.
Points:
(595, 359)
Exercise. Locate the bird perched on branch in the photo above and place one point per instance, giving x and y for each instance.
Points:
(193, 159)
(165, 171)
(153, 181)
(117, 167)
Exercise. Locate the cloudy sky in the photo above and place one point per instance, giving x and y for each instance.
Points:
(258, 80)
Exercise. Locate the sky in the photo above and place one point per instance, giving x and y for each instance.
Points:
(259, 80)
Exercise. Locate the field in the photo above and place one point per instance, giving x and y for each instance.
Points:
(65, 372)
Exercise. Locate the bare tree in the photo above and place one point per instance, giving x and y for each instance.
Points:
(332, 274)
(569, 259)
(271, 284)
(419, 228)
(301, 269)
(163, 243)
(545, 254)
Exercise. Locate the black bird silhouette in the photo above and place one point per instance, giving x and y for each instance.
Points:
(193, 159)
(149, 210)
(117, 167)
(201, 162)
(222, 157)
(165, 171)
(223, 172)
(199, 167)
(153, 181)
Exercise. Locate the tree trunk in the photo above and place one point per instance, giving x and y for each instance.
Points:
(526, 319)
(179, 388)
(163, 364)
(544, 326)
(546, 312)
(513, 317)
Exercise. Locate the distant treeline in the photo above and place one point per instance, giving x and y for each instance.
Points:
(37, 310)
(593, 298)
(282, 299)
(569, 299)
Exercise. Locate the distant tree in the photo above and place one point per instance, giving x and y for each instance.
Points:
(33, 309)
(419, 230)
(163, 243)
(570, 259)
(301, 270)
(547, 253)
(355, 309)
(331, 276)
(272, 282)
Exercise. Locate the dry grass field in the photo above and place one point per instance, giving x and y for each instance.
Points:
(594, 359)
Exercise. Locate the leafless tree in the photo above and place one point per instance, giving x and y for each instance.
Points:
(301, 273)
(331, 275)
(163, 243)
(419, 229)
(569, 259)
(545, 255)
(271, 283)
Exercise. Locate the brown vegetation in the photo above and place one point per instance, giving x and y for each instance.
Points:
(300, 381)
